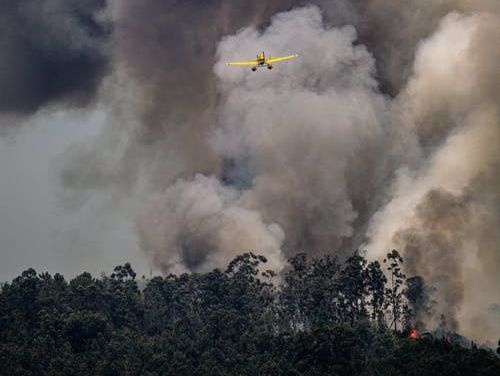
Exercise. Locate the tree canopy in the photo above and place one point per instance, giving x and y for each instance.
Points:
(319, 317)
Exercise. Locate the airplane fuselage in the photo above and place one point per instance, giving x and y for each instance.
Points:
(262, 62)
(261, 59)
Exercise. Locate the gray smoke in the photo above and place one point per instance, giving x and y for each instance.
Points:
(308, 132)
(298, 138)
(163, 93)
(393, 30)
(52, 51)
(434, 246)
(201, 224)
(383, 133)
(442, 214)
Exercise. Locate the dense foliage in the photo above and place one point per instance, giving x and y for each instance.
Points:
(320, 317)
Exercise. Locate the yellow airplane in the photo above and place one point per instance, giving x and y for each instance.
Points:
(262, 61)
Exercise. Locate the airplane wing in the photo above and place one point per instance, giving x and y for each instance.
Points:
(280, 58)
(243, 63)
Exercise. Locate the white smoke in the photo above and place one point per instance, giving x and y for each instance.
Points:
(299, 137)
(307, 131)
(198, 224)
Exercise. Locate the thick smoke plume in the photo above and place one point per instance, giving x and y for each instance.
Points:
(383, 133)
(296, 141)
(308, 133)
(200, 223)
(442, 213)
(439, 234)
(51, 51)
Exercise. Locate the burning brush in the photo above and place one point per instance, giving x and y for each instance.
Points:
(413, 334)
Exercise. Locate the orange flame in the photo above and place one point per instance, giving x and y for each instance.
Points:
(413, 334)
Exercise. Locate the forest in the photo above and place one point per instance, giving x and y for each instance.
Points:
(320, 316)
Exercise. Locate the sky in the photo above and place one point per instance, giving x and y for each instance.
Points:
(36, 230)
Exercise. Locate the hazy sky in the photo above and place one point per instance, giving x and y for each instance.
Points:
(35, 230)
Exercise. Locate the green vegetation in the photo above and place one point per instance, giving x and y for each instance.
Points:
(321, 317)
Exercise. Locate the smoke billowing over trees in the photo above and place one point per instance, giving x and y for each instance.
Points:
(383, 134)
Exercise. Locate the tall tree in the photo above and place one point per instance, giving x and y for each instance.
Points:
(353, 287)
(394, 292)
(376, 281)
(294, 295)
